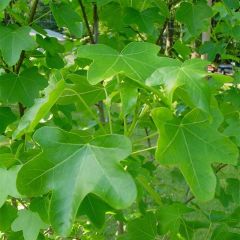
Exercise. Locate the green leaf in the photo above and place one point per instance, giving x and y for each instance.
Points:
(170, 218)
(193, 144)
(22, 88)
(189, 76)
(95, 209)
(4, 4)
(65, 16)
(80, 87)
(233, 189)
(8, 183)
(137, 61)
(100, 2)
(7, 214)
(232, 3)
(144, 20)
(212, 49)
(183, 50)
(196, 17)
(233, 129)
(143, 228)
(50, 44)
(39, 110)
(13, 41)
(7, 159)
(129, 96)
(54, 61)
(222, 232)
(29, 223)
(94, 168)
(6, 117)
(41, 206)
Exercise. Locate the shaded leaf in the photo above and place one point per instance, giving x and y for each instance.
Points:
(7, 214)
(22, 88)
(13, 41)
(143, 228)
(195, 16)
(65, 16)
(6, 117)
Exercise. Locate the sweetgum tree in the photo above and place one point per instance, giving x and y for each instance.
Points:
(111, 127)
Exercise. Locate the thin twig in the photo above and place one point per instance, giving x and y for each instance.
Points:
(160, 36)
(86, 21)
(144, 150)
(138, 33)
(95, 41)
(30, 20)
(95, 23)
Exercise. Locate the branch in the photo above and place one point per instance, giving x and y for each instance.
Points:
(95, 23)
(86, 21)
(170, 6)
(30, 20)
(138, 33)
(22, 56)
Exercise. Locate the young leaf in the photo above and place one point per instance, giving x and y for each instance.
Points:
(188, 76)
(13, 41)
(29, 223)
(137, 60)
(23, 88)
(193, 144)
(72, 170)
(8, 183)
(40, 108)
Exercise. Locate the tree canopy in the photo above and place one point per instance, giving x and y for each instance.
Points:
(119, 119)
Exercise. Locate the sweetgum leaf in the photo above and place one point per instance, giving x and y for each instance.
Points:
(8, 183)
(29, 223)
(188, 76)
(143, 228)
(137, 61)
(194, 16)
(170, 217)
(7, 215)
(6, 117)
(4, 4)
(95, 209)
(65, 16)
(72, 169)
(193, 144)
(22, 88)
(13, 41)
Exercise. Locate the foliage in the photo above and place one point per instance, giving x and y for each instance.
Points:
(112, 127)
